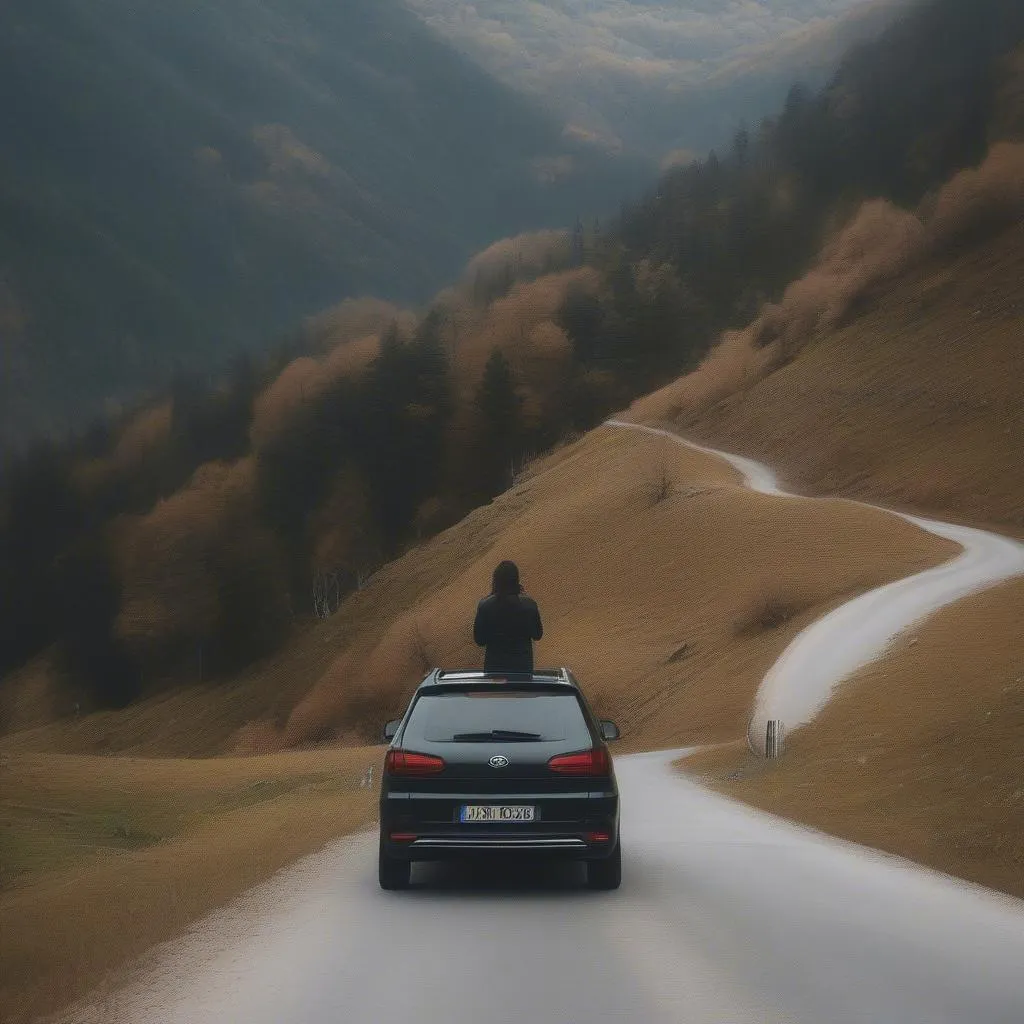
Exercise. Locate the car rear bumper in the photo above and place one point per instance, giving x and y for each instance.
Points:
(429, 846)
(427, 822)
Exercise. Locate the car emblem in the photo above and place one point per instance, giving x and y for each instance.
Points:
(498, 761)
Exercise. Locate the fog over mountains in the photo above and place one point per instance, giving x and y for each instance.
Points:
(180, 182)
(658, 77)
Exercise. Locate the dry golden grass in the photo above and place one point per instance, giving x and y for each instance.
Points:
(919, 754)
(645, 598)
(892, 370)
(916, 402)
(902, 385)
(624, 584)
(105, 857)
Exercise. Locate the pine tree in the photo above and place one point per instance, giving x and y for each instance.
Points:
(500, 424)
(576, 248)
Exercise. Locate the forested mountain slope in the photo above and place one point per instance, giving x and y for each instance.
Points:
(182, 181)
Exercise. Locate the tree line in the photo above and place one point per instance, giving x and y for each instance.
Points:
(135, 575)
(712, 241)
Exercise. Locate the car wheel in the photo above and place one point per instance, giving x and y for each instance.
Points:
(606, 874)
(393, 873)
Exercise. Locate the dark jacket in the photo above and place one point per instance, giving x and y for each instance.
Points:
(506, 627)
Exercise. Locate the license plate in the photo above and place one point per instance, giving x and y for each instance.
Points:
(496, 812)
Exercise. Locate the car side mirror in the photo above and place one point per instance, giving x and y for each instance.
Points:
(609, 730)
(391, 728)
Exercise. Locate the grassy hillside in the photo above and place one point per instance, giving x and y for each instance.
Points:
(181, 182)
(104, 858)
(910, 396)
(661, 626)
(666, 635)
(183, 546)
(918, 755)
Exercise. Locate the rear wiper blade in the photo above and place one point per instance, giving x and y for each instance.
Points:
(495, 734)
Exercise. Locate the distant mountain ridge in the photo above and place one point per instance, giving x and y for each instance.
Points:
(653, 77)
(179, 182)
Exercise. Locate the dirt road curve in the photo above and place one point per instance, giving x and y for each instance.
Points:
(858, 632)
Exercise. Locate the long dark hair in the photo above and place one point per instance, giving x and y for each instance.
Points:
(505, 580)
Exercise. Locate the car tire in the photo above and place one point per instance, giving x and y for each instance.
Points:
(607, 873)
(393, 873)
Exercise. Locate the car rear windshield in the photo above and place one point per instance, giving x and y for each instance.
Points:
(480, 716)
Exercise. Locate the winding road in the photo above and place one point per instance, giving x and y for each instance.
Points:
(725, 915)
(858, 632)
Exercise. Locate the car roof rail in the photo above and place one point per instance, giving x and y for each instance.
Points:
(559, 673)
(562, 674)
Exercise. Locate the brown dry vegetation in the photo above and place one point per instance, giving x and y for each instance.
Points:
(141, 437)
(654, 576)
(105, 857)
(893, 370)
(354, 319)
(1008, 123)
(348, 339)
(521, 325)
(144, 433)
(919, 754)
(523, 256)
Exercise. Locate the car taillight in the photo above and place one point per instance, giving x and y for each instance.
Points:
(402, 762)
(586, 762)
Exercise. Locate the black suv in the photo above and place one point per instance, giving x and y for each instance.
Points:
(486, 763)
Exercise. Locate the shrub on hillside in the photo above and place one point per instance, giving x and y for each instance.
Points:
(767, 612)
(979, 200)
